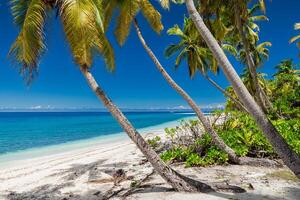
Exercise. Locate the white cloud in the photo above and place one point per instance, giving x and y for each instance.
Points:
(36, 107)
(180, 107)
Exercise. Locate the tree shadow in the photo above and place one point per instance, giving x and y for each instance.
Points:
(52, 192)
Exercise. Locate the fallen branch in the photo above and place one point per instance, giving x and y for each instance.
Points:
(110, 193)
(138, 184)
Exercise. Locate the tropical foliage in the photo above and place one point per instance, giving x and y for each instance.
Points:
(239, 130)
(82, 23)
(128, 10)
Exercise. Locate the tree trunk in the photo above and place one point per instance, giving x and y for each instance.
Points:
(207, 126)
(260, 95)
(289, 157)
(238, 103)
(176, 180)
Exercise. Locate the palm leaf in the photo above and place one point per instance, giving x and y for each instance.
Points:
(293, 39)
(108, 7)
(175, 30)
(83, 32)
(172, 49)
(128, 11)
(262, 5)
(29, 44)
(230, 49)
(152, 15)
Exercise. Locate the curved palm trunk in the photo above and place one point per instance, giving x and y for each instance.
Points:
(176, 180)
(208, 127)
(238, 103)
(289, 157)
(260, 95)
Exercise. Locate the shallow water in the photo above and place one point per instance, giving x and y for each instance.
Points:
(27, 130)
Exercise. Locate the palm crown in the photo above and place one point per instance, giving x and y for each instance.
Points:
(192, 48)
(82, 23)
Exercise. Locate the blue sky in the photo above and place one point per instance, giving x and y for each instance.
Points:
(136, 83)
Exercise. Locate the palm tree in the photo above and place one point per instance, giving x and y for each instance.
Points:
(289, 157)
(128, 9)
(297, 37)
(82, 23)
(244, 21)
(193, 49)
(260, 53)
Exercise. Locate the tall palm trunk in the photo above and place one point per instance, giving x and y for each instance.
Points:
(289, 157)
(238, 103)
(208, 127)
(176, 180)
(260, 95)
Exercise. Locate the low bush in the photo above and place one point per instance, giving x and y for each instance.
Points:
(239, 131)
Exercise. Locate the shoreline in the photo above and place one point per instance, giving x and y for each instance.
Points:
(12, 158)
(87, 173)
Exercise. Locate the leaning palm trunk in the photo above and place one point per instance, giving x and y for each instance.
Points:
(176, 180)
(260, 95)
(208, 127)
(237, 102)
(289, 157)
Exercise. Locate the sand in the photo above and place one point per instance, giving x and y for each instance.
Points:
(88, 173)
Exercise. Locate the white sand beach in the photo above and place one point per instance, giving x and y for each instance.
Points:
(87, 173)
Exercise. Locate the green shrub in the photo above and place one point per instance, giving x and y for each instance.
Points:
(290, 130)
(154, 142)
(240, 132)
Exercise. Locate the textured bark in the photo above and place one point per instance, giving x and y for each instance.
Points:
(289, 157)
(208, 127)
(260, 95)
(238, 103)
(176, 180)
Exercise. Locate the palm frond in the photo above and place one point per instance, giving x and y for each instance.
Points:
(175, 30)
(172, 49)
(108, 7)
(293, 39)
(262, 5)
(29, 45)
(253, 9)
(230, 49)
(152, 15)
(259, 18)
(166, 3)
(83, 32)
(128, 11)
(182, 56)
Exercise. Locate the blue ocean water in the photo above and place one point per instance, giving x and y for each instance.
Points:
(25, 130)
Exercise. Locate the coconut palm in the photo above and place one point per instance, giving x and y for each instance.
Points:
(244, 21)
(128, 10)
(260, 53)
(289, 157)
(82, 24)
(198, 56)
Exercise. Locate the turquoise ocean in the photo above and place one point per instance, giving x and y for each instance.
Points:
(30, 134)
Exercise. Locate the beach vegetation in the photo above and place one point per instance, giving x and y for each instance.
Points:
(255, 109)
(238, 129)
